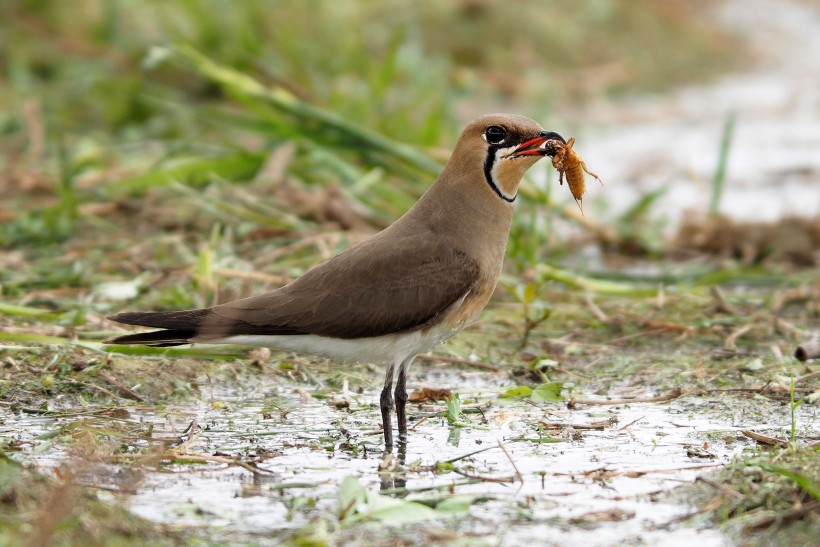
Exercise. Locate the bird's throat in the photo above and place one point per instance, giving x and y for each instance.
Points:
(504, 172)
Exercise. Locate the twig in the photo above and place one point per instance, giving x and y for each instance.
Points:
(785, 518)
(509, 457)
(131, 491)
(724, 354)
(729, 344)
(763, 390)
(636, 473)
(612, 515)
(722, 305)
(787, 296)
(596, 311)
(670, 395)
(788, 327)
(807, 377)
(126, 392)
(637, 335)
(469, 454)
(764, 439)
(630, 424)
(676, 520)
(597, 426)
(218, 459)
(660, 299)
(728, 490)
(100, 388)
(603, 232)
(418, 423)
(484, 478)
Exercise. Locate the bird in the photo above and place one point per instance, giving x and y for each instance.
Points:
(397, 293)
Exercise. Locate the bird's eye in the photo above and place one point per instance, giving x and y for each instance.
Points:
(495, 134)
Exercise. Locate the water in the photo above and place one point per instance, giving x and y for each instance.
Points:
(645, 143)
(304, 448)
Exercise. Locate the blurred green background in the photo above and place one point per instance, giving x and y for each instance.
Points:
(338, 114)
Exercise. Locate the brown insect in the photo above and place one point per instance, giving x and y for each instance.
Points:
(569, 164)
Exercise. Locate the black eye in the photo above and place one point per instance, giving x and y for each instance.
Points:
(495, 134)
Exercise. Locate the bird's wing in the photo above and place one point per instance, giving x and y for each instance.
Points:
(370, 290)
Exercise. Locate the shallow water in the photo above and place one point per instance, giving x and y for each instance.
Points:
(305, 447)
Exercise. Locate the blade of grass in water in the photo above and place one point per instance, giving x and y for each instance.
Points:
(719, 179)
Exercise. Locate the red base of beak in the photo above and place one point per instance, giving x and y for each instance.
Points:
(531, 147)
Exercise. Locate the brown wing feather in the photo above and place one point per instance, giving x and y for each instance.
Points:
(374, 288)
(370, 290)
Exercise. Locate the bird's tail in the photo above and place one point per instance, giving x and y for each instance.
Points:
(179, 327)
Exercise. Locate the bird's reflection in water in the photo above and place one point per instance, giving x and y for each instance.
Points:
(392, 473)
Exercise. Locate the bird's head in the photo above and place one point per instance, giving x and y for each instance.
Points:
(497, 149)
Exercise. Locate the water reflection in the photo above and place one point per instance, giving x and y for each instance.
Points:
(256, 472)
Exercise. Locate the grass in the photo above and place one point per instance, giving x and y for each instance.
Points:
(36, 510)
(763, 495)
(164, 155)
(719, 179)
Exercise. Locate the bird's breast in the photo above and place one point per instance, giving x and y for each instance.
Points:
(468, 309)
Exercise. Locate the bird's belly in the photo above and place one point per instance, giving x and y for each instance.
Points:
(390, 348)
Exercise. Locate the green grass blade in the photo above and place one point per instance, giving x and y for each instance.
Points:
(600, 286)
(719, 178)
(26, 311)
(193, 172)
(804, 482)
(311, 118)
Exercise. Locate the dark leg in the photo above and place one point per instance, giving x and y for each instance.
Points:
(401, 402)
(386, 404)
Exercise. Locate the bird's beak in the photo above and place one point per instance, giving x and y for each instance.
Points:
(535, 147)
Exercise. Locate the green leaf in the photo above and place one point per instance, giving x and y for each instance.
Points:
(453, 409)
(455, 505)
(393, 511)
(521, 392)
(351, 495)
(444, 467)
(548, 393)
(529, 293)
(357, 504)
(540, 440)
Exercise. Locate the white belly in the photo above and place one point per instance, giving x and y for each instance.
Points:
(390, 348)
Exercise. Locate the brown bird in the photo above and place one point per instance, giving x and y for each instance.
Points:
(397, 293)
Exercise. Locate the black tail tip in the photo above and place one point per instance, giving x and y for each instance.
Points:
(156, 338)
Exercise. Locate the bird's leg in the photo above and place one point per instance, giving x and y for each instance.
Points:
(386, 404)
(401, 402)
